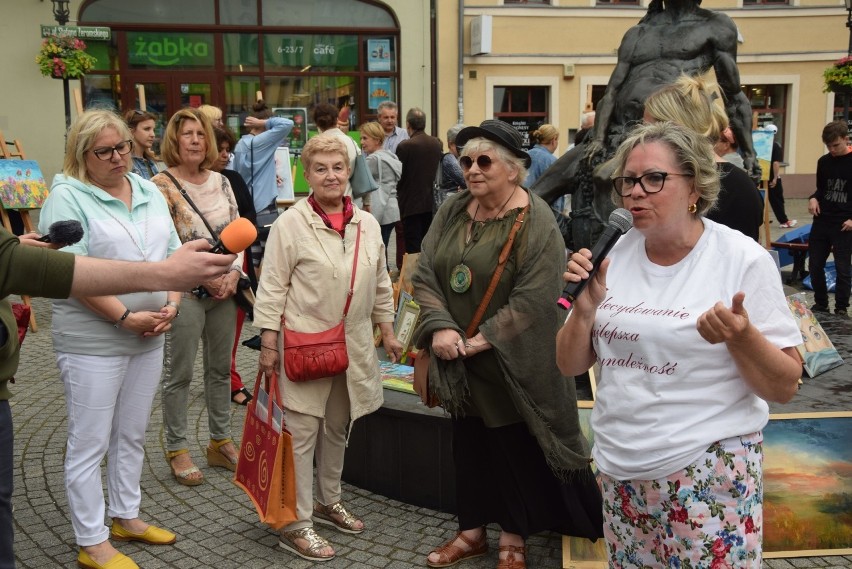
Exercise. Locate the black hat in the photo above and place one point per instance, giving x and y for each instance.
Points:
(497, 131)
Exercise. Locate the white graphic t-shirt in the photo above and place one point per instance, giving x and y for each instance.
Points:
(665, 394)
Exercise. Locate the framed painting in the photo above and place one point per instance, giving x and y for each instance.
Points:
(807, 484)
(22, 184)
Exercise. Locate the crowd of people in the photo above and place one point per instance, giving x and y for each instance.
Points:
(711, 345)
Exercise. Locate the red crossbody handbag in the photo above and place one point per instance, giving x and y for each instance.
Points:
(314, 355)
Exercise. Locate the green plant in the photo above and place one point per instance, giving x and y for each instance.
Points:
(64, 57)
(839, 75)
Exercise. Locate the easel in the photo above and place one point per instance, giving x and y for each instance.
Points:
(6, 153)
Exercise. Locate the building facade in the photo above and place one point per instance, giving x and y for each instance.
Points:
(531, 61)
(525, 61)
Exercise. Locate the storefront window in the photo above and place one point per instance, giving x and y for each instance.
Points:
(315, 53)
(325, 13)
(172, 50)
(238, 12)
(197, 12)
(240, 52)
(100, 92)
(523, 107)
(105, 52)
(768, 105)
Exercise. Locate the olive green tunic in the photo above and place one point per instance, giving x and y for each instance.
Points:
(479, 248)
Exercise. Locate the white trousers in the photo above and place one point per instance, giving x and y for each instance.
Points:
(109, 402)
(325, 440)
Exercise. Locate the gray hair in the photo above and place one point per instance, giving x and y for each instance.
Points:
(479, 145)
(453, 132)
(390, 105)
(692, 151)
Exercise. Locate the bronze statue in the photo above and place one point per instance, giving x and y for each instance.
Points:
(674, 37)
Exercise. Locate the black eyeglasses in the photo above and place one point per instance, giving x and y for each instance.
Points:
(483, 161)
(651, 183)
(105, 152)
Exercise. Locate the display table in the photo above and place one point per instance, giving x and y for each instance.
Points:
(403, 451)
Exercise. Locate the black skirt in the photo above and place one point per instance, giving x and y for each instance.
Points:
(502, 477)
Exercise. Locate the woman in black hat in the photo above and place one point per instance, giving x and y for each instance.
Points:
(521, 459)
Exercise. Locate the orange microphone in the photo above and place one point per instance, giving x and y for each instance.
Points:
(236, 237)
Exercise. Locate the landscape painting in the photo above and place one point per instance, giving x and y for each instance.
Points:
(22, 184)
(807, 485)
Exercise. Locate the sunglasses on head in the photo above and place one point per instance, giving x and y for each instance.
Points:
(483, 161)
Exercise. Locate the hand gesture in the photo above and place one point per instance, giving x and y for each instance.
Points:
(723, 324)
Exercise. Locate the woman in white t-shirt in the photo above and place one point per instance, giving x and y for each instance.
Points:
(689, 324)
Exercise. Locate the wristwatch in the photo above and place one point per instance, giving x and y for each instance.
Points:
(176, 306)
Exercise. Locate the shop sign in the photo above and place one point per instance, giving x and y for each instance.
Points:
(170, 49)
(525, 125)
(311, 50)
(90, 33)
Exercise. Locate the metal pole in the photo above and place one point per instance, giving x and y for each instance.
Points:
(67, 104)
(849, 25)
(848, 53)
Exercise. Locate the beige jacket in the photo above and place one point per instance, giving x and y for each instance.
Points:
(306, 273)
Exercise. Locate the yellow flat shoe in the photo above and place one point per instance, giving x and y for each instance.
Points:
(117, 561)
(152, 536)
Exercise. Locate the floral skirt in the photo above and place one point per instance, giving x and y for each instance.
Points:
(708, 515)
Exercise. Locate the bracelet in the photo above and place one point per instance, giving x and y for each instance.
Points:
(123, 317)
(269, 348)
(175, 305)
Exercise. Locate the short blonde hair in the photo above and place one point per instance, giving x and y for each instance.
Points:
(82, 135)
(373, 130)
(323, 145)
(211, 112)
(692, 151)
(480, 145)
(170, 149)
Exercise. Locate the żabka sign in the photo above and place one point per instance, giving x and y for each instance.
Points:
(170, 49)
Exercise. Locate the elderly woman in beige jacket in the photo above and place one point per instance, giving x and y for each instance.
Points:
(305, 279)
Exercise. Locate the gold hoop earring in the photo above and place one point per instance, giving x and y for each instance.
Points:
(692, 208)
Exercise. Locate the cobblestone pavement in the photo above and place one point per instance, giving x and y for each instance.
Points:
(216, 524)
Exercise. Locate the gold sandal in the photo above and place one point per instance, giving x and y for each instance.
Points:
(215, 456)
(287, 540)
(183, 477)
(347, 523)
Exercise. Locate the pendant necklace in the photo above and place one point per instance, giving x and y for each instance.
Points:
(142, 250)
(461, 276)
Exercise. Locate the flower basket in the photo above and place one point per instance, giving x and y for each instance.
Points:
(64, 57)
(838, 77)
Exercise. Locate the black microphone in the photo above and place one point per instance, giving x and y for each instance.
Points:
(63, 233)
(619, 222)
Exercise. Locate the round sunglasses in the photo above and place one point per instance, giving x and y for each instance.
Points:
(483, 161)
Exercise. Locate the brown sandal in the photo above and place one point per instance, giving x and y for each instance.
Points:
(512, 560)
(449, 554)
(187, 476)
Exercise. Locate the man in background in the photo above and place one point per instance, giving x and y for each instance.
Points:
(420, 156)
(394, 134)
(831, 206)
